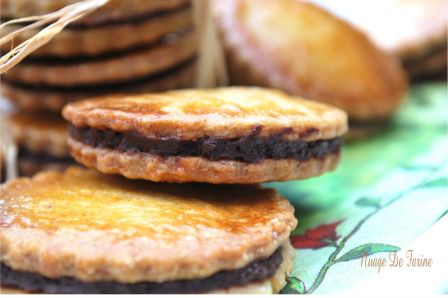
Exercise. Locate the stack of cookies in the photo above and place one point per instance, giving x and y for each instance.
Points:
(84, 231)
(126, 46)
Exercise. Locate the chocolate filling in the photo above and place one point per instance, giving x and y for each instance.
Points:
(250, 148)
(43, 157)
(32, 282)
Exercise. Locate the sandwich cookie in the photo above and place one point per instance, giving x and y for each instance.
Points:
(165, 54)
(34, 98)
(269, 43)
(114, 11)
(93, 41)
(42, 142)
(223, 135)
(85, 232)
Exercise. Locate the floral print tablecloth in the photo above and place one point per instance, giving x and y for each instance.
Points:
(387, 191)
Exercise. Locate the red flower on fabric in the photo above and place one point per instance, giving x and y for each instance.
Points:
(322, 236)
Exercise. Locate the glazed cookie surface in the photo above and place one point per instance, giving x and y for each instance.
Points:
(135, 235)
(222, 135)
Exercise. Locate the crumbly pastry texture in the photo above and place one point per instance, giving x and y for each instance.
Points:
(92, 227)
(230, 112)
(271, 44)
(152, 167)
(35, 99)
(124, 67)
(97, 40)
(114, 10)
(40, 132)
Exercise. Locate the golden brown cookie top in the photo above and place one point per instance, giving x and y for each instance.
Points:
(298, 47)
(222, 112)
(102, 227)
(40, 132)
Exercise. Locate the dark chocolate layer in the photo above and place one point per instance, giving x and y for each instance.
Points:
(32, 282)
(250, 148)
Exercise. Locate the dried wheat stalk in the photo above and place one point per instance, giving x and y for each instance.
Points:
(61, 18)
(211, 63)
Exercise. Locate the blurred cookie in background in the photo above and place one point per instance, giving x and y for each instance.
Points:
(95, 40)
(41, 140)
(33, 98)
(125, 46)
(112, 12)
(413, 30)
(134, 65)
(302, 49)
(432, 67)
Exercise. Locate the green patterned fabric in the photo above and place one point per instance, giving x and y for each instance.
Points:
(386, 192)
